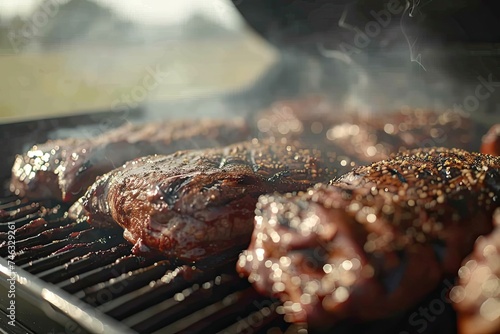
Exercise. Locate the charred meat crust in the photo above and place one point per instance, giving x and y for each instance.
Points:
(383, 235)
(194, 203)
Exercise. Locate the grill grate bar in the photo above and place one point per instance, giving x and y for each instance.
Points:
(101, 274)
(171, 283)
(184, 303)
(260, 321)
(221, 314)
(59, 233)
(21, 212)
(127, 282)
(8, 199)
(81, 265)
(31, 210)
(68, 252)
(38, 253)
(18, 222)
(37, 225)
(14, 204)
(92, 234)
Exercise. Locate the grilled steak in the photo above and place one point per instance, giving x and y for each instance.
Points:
(364, 138)
(376, 240)
(477, 295)
(194, 203)
(63, 169)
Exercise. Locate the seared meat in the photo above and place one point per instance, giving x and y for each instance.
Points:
(477, 295)
(194, 203)
(364, 138)
(376, 240)
(63, 169)
(491, 141)
(376, 137)
(33, 174)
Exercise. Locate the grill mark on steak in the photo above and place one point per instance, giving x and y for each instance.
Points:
(398, 175)
(189, 204)
(86, 165)
(279, 176)
(172, 191)
(388, 241)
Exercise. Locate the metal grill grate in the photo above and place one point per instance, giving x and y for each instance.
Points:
(147, 295)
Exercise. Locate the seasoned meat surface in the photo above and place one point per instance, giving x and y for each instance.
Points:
(364, 137)
(193, 203)
(477, 294)
(375, 137)
(376, 240)
(64, 169)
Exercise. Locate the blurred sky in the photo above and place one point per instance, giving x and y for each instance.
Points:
(145, 11)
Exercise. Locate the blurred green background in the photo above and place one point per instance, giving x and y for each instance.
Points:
(61, 57)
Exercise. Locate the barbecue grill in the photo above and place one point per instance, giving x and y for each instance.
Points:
(73, 278)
